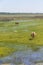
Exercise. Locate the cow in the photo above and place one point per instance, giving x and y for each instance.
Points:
(33, 34)
(16, 23)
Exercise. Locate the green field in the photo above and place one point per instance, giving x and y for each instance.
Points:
(13, 35)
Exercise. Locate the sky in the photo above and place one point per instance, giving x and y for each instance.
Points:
(21, 6)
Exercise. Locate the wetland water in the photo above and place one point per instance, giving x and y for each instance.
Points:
(27, 57)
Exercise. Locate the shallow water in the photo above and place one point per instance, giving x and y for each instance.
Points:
(27, 57)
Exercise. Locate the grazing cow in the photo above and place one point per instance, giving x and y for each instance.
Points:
(16, 23)
(33, 34)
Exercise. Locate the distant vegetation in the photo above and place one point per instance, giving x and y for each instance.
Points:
(19, 16)
(2, 18)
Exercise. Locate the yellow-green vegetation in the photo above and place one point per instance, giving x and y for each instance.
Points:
(5, 51)
(11, 34)
(21, 33)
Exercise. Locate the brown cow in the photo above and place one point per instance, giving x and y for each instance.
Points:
(33, 34)
(16, 23)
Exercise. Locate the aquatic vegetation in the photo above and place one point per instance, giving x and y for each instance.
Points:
(5, 51)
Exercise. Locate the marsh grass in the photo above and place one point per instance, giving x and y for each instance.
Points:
(9, 37)
(5, 51)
